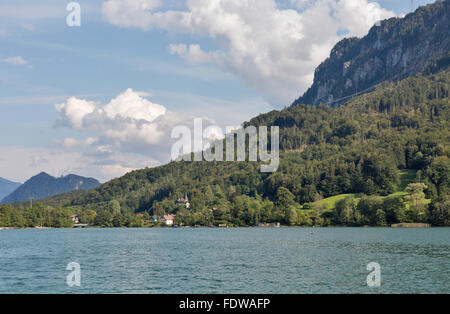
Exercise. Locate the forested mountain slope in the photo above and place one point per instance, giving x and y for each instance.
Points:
(359, 147)
(381, 157)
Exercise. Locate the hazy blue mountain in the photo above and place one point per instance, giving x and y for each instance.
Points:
(7, 187)
(396, 49)
(44, 185)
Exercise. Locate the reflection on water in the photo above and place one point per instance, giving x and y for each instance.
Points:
(286, 260)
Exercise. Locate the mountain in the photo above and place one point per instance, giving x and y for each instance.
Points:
(368, 149)
(43, 186)
(360, 147)
(398, 48)
(7, 187)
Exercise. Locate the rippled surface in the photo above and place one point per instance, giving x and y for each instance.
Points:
(286, 260)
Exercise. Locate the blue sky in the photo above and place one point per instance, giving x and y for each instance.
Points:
(191, 69)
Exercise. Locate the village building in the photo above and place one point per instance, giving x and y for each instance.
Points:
(269, 225)
(75, 218)
(184, 201)
(168, 220)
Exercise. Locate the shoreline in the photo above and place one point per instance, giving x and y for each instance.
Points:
(396, 226)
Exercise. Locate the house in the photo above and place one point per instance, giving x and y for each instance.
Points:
(269, 225)
(75, 218)
(184, 201)
(168, 220)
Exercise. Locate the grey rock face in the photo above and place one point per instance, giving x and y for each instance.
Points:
(398, 48)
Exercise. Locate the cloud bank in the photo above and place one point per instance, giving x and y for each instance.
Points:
(272, 50)
(127, 133)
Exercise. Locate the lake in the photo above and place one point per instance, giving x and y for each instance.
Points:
(247, 260)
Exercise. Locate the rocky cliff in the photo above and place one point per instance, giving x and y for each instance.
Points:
(395, 49)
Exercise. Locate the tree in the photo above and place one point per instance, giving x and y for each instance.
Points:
(368, 207)
(343, 211)
(104, 219)
(284, 198)
(283, 204)
(395, 208)
(291, 216)
(380, 217)
(114, 207)
(88, 216)
(416, 194)
(440, 213)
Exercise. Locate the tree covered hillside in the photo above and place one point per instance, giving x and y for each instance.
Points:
(360, 148)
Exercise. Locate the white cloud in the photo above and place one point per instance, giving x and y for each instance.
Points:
(127, 133)
(133, 105)
(273, 50)
(179, 49)
(70, 142)
(110, 139)
(127, 118)
(18, 60)
(114, 171)
(20, 163)
(130, 12)
(74, 110)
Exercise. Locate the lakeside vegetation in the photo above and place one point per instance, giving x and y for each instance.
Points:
(380, 159)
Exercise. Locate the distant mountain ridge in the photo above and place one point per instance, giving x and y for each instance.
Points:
(7, 187)
(44, 185)
(398, 48)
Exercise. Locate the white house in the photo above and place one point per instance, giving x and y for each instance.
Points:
(75, 218)
(168, 220)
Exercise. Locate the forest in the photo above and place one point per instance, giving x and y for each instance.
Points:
(379, 159)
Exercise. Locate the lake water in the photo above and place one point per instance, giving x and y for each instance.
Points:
(254, 260)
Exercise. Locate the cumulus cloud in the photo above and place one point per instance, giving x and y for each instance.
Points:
(128, 117)
(273, 50)
(73, 111)
(129, 132)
